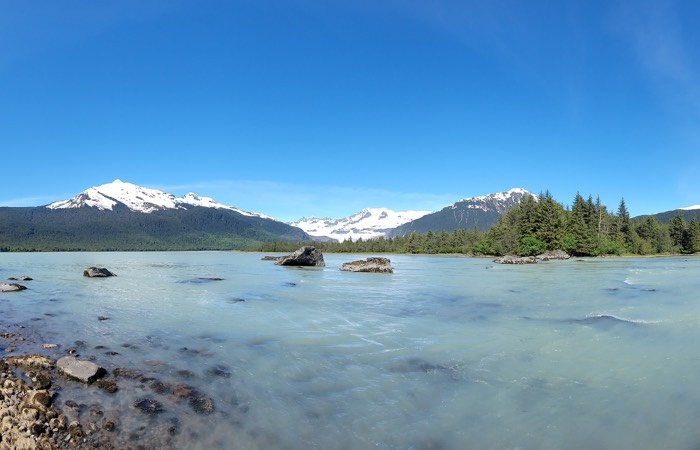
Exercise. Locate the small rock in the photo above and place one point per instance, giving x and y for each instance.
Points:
(97, 272)
(202, 404)
(48, 346)
(373, 265)
(148, 406)
(108, 385)
(11, 287)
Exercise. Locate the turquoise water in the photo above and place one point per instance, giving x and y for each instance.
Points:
(447, 352)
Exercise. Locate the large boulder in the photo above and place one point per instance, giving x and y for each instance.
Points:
(510, 259)
(97, 272)
(11, 287)
(553, 255)
(305, 256)
(85, 371)
(373, 264)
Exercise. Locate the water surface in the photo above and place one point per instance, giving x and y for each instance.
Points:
(447, 352)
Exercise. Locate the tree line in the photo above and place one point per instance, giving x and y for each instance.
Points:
(535, 226)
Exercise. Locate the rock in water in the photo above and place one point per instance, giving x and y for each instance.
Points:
(11, 287)
(374, 265)
(148, 406)
(305, 256)
(553, 255)
(97, 272)
(510, 259)
(85, 371)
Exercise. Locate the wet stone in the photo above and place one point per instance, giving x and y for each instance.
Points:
(160, 388)
(148, 406)
(108, 385)
(41, 380)
(127, 373)
(11, 287)
(202, 404)
(182, 391)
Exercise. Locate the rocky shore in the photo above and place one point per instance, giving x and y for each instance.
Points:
(42, 401)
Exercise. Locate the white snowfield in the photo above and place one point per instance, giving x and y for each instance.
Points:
(366, 224)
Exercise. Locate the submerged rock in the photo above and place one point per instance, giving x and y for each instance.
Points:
(22, 278)
(219, 370)
(199, 280)
(11, 287)
(148, 406)
(373, 265)
(510, 259)
(305, 256)
(201, 404)
(97, 272)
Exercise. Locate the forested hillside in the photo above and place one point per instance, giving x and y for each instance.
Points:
(587, 228)
(92, 229)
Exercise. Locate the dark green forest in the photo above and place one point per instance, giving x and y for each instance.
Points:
(91, 229)
(586, 228)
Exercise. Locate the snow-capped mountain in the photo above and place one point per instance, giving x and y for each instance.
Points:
(139, 199)
(478, 213)
(690, 208)
(498, 201)
(366, 224)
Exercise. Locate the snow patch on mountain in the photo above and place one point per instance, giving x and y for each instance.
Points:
(688, 208)
(366, 224)
(139, 199)
(498, 201)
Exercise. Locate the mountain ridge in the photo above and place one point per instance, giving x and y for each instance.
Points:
(140, 199)
(124, 216)
(366, 224)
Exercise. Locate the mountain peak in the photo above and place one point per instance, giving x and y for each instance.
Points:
(138, 199)
(366, 224)
(497, 201)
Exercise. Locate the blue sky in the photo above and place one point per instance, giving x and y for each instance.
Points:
(320, 108)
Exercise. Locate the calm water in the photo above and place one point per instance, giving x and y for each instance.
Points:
(447, 352)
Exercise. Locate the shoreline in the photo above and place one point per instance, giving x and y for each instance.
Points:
(40, 407)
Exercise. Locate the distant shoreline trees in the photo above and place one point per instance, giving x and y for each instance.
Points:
(537, 225)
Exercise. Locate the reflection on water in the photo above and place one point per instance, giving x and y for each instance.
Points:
(223, 350)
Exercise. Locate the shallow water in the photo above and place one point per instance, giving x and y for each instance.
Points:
(447, 352)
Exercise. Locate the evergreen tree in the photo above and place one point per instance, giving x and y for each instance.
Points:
(692, 237)
(676, 228)
(623, 220)
(551, 219)
(648, 232)
(580, 228)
